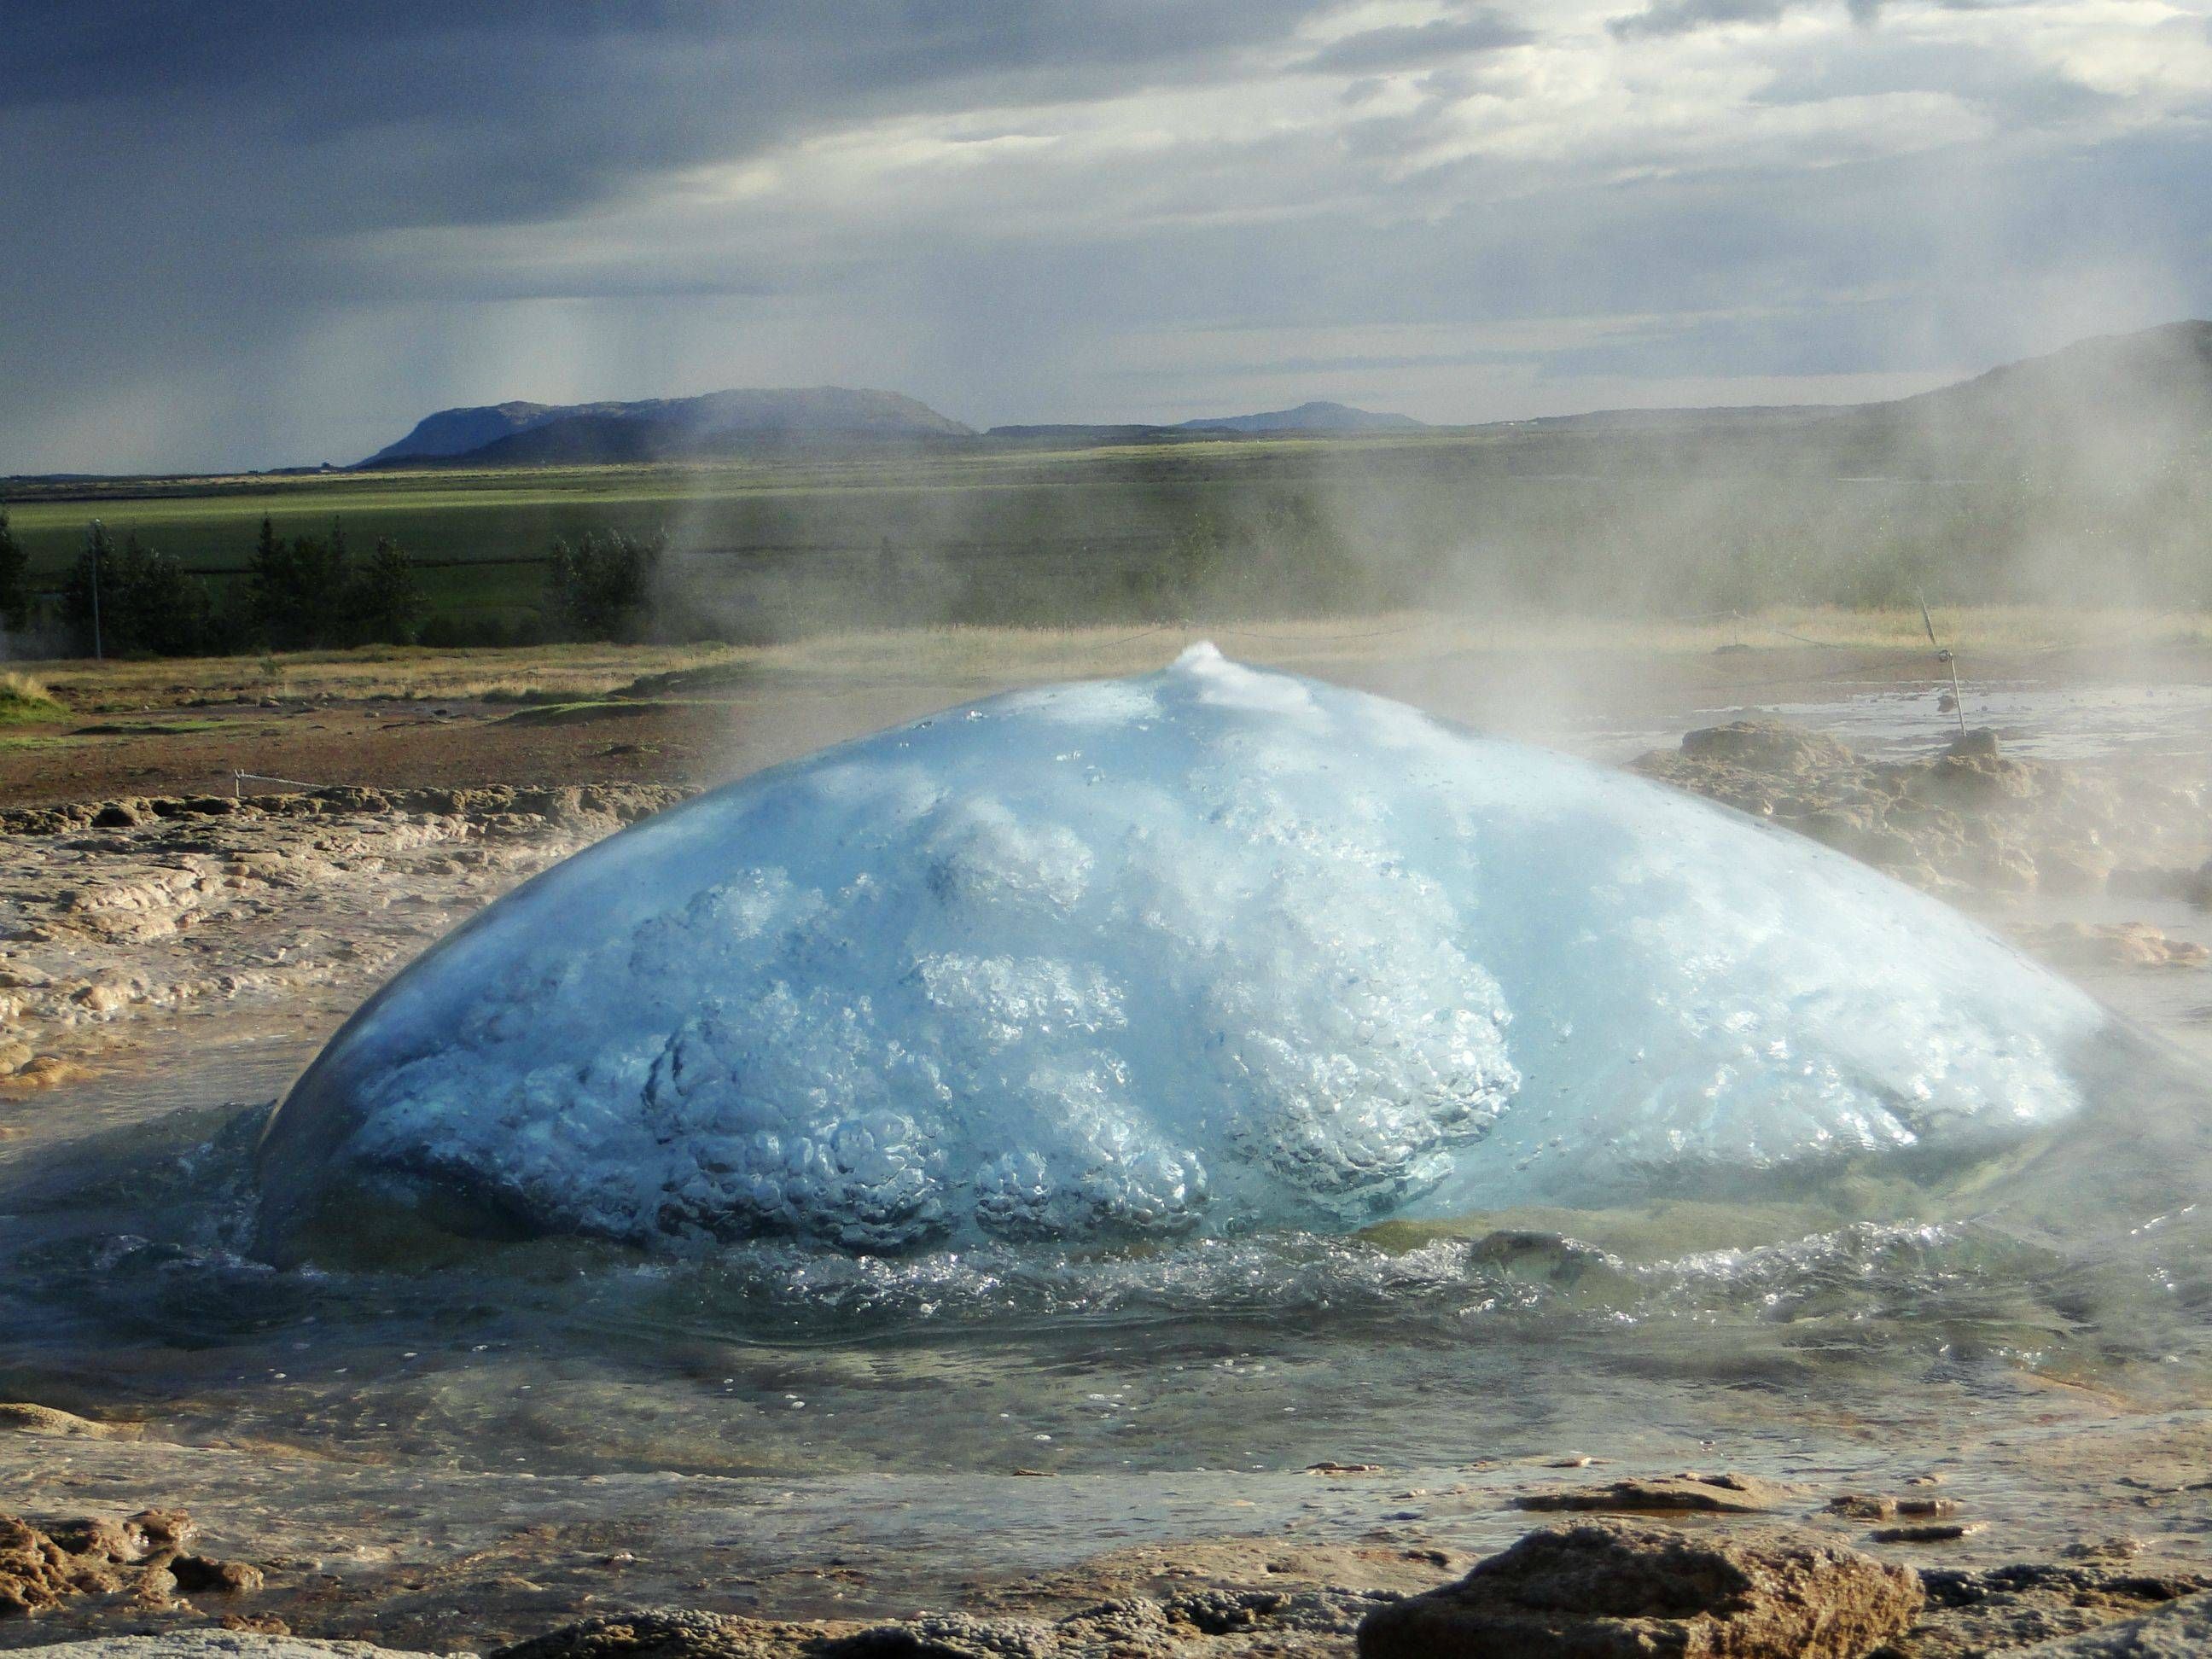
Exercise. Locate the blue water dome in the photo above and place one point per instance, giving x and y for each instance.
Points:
(1207, 951)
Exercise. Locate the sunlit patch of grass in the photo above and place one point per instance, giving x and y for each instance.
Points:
(975, 658)
(25, 701)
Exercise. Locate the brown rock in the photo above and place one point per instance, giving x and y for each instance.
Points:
(2117, 945)
(1622, 1590)
(2079, 869)
(1862, 1506)
(1926, 1532)
(2003, 1609)
(1714, 1494)
(28, 1418)
(1865, 1506)
(45, 1072)
(197, 1575)
(41, 1570)
(1766, 746)
(36, 1573)
(1929, 1508)
(666, 1635)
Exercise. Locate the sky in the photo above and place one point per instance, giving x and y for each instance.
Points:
(253, 235)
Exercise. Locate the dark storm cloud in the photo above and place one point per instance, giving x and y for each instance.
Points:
(1670, 18)
(1665, 17)
(1419, 46)
(412, 113)
(259, 234)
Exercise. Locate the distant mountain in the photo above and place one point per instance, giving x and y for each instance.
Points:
(2154, 385)
(662, 429)
(2113, 401)
(1306, 418)
(2170, 364)
(1065, 434)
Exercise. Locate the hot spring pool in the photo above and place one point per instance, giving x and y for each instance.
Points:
(1530, 1110)
(1207, 952)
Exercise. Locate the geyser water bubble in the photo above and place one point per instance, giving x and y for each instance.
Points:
(1203, 950)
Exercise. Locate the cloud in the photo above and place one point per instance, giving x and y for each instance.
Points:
(267, 236)
(1420, 45)
(1662, 18)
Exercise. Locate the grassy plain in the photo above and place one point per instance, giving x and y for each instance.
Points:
(1684, 521)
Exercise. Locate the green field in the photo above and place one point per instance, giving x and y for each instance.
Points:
(1681, 520)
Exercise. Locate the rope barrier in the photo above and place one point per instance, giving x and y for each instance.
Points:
(238, 778)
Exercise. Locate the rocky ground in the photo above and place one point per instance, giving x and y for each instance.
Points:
(1662, 1579)
(112, 912)
(1972, 818)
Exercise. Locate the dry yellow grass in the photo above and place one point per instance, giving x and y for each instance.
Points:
(26, 699)
(985, 657)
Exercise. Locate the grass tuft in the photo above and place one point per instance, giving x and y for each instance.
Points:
(25, 701)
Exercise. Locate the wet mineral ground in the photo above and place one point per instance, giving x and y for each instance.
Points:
(222, 1458)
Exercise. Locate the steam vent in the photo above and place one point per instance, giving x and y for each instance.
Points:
(1201, 952)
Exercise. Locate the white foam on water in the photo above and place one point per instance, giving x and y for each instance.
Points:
(1203, 950)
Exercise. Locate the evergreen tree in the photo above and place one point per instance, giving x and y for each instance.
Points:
(90, 593)
(602, 588)
(133, 601)
(161, 609)
(387, 602)
(14, 578)
(298, 593)
(272, 587)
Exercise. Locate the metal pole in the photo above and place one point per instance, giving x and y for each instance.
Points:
(98, 653)
(1948, 660)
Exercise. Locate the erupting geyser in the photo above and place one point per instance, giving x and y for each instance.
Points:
(1202, 951)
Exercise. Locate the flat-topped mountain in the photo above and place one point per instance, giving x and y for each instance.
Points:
(662, 429)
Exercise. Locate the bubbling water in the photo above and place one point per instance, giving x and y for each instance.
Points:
(1197, 953)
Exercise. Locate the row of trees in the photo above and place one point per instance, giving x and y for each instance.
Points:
(128, 599)
(307, 592)
(15, 580)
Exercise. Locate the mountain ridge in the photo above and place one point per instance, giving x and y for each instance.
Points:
(2124, 383)
(650, 428)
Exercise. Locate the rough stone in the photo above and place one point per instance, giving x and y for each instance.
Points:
(1969, 816)
(1926, 1532)
(26, 1417)
(665, 1633)
(1225, 1621)
(1766, 746)
(1971, 1613)
(2118, 944)
(1624, 1590)
(2179, 1631)
(41, 1569)
(223, 1645)
(200, 1574)
(1714, 1494)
